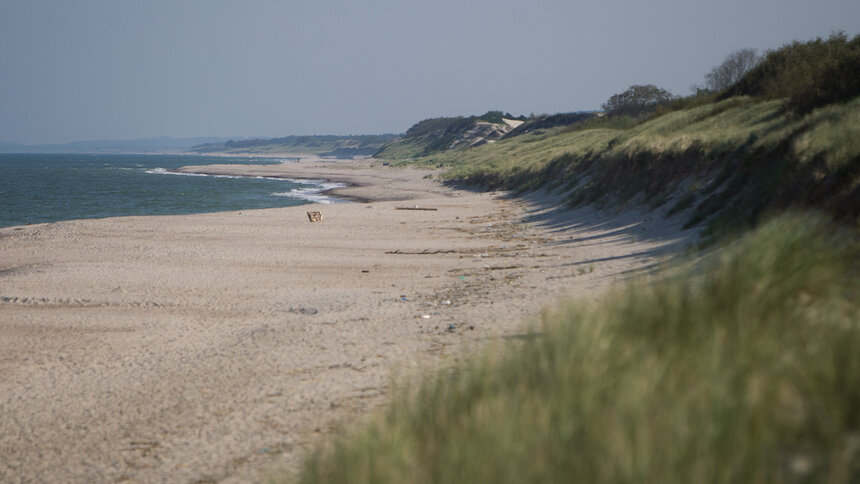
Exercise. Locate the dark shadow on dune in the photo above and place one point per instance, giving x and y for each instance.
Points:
(552, 212)
(459, 185)
(639, 224)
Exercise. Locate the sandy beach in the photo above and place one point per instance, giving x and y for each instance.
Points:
(216, 347)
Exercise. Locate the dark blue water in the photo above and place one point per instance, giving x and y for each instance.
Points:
(38, 188)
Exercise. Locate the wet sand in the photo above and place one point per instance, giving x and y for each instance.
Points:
(218, 346)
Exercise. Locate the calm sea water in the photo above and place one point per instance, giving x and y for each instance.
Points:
(38, 188)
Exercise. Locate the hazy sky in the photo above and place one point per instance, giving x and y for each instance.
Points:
(117, 69)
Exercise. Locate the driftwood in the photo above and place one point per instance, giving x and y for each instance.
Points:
(416, 208)
(315, 216)
(423, 252)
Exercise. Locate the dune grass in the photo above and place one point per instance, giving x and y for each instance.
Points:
(744, 369)
(744, 158)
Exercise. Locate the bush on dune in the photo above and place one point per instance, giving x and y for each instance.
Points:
(807, 74)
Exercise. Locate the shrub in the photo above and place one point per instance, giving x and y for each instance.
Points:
(637, 101)
(731, 70)
(807, 74)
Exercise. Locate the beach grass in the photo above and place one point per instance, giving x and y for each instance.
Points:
(739, 366)
(742, 367)
(745, 157)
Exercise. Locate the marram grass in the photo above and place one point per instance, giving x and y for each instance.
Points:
(746, 369)
(749, 158)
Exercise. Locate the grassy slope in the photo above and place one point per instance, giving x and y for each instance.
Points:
(742, 369)
(746, 371)
(402, 149)
(738, 159)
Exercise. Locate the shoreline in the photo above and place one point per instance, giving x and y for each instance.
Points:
(362, 177)
(218, 346)
(323, 187)
(305, 189)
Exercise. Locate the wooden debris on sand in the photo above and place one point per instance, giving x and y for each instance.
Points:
(423, 252)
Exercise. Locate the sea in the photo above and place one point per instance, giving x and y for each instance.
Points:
(41, 188)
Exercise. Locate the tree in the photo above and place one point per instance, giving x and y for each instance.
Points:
(637, 101)
(733, 69)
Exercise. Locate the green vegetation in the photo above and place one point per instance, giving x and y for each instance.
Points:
(428, 136)
(733, 68)
(437, 135)
(806, 74)
(337, 146)
(743, 367)
(637, 101)
(746, 371)
(784, 136)
(747, 156)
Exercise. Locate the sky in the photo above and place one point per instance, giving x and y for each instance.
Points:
(125, 69)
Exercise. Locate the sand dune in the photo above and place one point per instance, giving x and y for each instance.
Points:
(184, 348)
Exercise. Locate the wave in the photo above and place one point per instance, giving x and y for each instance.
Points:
(164, 171)
(314, 194)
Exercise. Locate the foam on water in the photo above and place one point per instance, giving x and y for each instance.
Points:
(314, 194)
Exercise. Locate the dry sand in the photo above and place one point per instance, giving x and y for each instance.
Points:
(214, 347)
